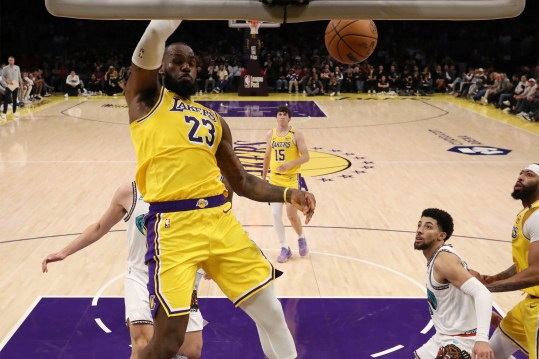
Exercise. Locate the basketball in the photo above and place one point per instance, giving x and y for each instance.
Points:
(351, 41)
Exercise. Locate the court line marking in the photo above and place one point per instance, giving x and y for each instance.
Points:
(102, 325)
(387, 351)
(103, 287)
(19, 323)
(270, 225)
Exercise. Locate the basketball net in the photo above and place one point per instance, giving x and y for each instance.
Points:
(254, 25)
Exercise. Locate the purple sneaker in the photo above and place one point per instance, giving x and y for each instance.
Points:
(286, 253)
(303, 249)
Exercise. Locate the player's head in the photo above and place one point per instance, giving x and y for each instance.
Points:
(11, 60)
(283, 114)
(527, 185)
(179, 69)
(435, 226)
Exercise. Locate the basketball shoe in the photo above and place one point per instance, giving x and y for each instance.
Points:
(286, 253)
(303, 249)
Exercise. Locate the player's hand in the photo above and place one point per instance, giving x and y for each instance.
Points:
(482, 350)
(477, 275)
(487, 279)
(284, 167)
(53, 257)
(495, 319)
(304, 201)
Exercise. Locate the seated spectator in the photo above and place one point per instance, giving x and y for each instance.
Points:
(314, 86)
(281, 84)
(382, 85)
(94, 85)
(292, 78)
(112, 86)
(210, 79)
(222, 79)
(73, 85)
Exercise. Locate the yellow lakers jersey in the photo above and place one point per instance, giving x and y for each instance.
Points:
(284, 149)
(175, 145)
(521, 245)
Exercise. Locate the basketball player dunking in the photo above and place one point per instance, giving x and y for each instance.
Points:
(182, 148)
(128, 204)
(459, 304)
(286, 151)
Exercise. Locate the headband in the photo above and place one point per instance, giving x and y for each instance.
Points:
(534, 167)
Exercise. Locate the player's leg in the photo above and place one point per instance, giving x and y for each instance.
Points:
(428, 350)
(192, 345)
(267, 313)
(244, 274)
(295, 221)
(172, 264)
(502, 347)
(137, 309)
(512, 328)
(278, 225)
(140, 336)
(168, 336)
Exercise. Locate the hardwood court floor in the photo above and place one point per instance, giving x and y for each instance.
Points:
(376, 164)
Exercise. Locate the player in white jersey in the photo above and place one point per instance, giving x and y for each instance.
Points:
(459, 304)
(128, 204)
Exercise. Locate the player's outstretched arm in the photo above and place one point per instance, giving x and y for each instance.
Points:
(94, 232)
(252, 187)
(142, 88)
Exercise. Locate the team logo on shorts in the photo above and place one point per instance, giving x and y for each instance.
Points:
(152, 302)
(452, 352)
(202, 203)
(167, 223)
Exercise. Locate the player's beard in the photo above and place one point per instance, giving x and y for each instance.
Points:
(524, 192)
(183, 88)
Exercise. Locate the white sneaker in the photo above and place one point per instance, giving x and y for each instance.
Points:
(66, 95)
(16, 115)
(332, 94)
(338, 93)
(507, 103)
(3, 117)
(484, 101)
(506, 110)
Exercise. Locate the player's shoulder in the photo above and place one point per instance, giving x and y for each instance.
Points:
(124, 193)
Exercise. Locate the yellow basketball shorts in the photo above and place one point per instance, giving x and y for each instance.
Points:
(520, 325)
(290, 181)
(179, 243)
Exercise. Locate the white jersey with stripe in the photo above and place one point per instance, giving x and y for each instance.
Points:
(452, 310)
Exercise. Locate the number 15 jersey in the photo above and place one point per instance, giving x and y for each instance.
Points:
(284, 149)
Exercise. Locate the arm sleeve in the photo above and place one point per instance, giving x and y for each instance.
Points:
(483, 306)
(148, 54)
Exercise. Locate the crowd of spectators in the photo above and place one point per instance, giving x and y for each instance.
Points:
(83, 57)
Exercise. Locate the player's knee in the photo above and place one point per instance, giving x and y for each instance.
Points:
(192, 351)
(138, 345)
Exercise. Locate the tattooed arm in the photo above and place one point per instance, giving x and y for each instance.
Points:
(510, 280)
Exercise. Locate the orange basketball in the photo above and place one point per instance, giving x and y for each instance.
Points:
(351, 41)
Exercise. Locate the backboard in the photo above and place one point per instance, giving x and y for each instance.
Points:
(313, 10)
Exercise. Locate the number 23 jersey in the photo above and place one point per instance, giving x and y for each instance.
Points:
(175, 145)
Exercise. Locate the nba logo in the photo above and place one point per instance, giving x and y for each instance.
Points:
(247, 81)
